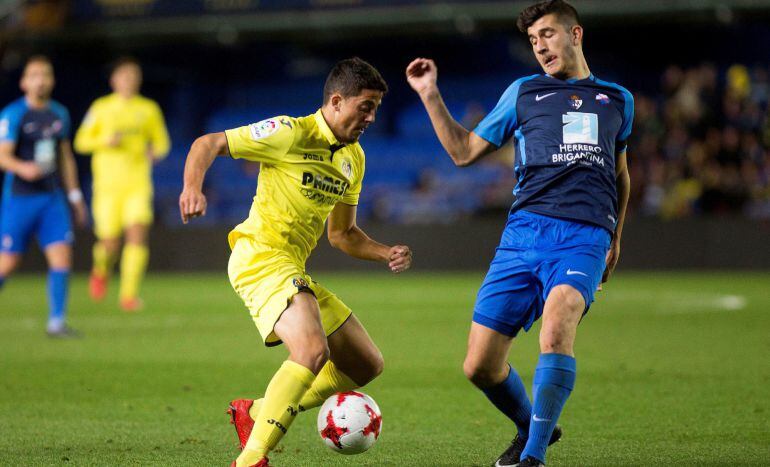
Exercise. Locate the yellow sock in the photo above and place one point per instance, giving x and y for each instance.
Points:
(254, 410)
(103, 262)
(133, 265)
(329, 381)
(278, 410)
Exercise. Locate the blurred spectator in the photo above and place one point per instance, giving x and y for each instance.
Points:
(710, 155)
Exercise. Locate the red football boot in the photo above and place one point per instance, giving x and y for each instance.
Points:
(239, 416)
(262, 463)
(131, 305)
(97, 287)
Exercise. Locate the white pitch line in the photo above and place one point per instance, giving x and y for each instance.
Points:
(681, 303)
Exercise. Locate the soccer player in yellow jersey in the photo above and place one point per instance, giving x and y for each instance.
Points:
(312, 168)
(126, 134)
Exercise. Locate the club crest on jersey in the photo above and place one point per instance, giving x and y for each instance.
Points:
(300, 283)
(53, 129)
(263, 129)
(575, 101)
(603, 99)
(347, 168)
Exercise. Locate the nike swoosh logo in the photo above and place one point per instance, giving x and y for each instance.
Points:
(538, 419)
(539, 98)
(570, 272)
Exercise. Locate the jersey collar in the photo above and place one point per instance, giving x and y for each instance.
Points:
(324, 128)
(118, 97)
(29, 106)
(591, 77)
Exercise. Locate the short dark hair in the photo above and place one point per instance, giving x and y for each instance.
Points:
(566, 13)
(351, 76)
(124, 60)
(38, 58)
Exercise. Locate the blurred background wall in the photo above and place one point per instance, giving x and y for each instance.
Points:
(698, 155)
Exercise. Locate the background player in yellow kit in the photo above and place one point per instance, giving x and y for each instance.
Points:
(126, 134)
(312, 168)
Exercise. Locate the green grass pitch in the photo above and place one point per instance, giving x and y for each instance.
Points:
(673, 369)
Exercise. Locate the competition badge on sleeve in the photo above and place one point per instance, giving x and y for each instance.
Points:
(263, 129)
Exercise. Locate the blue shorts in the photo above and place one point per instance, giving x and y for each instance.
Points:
(45, 215)
(537, 253)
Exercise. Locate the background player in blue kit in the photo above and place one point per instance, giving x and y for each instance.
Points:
(35, 151)
(563, 232)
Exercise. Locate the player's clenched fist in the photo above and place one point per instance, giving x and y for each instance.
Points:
(400, 258)
(29, 171)
(422, 74)
(192, 203)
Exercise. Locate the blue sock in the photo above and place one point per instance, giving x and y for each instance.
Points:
(58, 281)
(510, 398)
(553, 383)
(2, 281)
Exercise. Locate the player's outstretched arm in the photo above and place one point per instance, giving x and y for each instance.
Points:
(463, 146)
(192, 201)
(623, 182)
(345, 235)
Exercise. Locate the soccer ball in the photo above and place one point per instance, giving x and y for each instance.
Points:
(349, 422)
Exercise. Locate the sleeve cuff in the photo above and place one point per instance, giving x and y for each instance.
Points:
(229, 147)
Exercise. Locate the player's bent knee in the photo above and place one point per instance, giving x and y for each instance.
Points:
(378, 366)
(8, 263)
(482, 376)
(111, 245)
(59, 256)
(312, 356)
(374, 368)
(569, 298)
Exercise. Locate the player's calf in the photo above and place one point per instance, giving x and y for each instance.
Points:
(354, 353)
(364, 371)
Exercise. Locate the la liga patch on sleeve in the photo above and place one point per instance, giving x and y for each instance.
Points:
(263, 129)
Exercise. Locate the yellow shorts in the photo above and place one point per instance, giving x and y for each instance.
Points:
(113, 211)
(266, 280)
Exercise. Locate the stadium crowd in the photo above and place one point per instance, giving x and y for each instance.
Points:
(701, 146)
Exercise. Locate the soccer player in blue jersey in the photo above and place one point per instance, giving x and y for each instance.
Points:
(562, 237)
(36, 154)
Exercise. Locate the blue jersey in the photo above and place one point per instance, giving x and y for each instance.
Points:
(37, 134)
(567, 134)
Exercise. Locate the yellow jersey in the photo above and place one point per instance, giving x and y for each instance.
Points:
(304, 172)
(140, 123)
